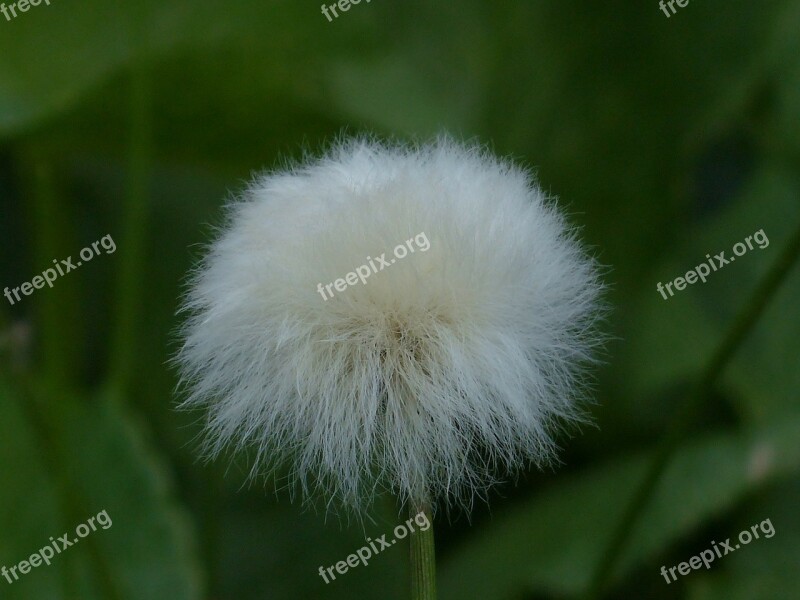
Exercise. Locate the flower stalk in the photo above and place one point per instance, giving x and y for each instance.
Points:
(423, 558)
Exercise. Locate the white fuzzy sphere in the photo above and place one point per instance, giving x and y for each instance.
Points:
(449, 367)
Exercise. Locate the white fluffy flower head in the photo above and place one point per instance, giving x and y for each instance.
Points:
(430, 378)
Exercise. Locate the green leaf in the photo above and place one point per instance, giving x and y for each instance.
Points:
(71, 461)
(784, 67)
(69, 49)
(764, 568)
(680, 333)
(425, 79)
(551, 543)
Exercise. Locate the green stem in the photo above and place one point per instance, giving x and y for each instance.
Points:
(688, 409)
(132, 246)
(59, 334)
(423, 558)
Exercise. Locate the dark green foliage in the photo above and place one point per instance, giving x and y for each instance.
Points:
(666, 139)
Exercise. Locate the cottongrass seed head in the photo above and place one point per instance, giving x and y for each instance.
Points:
(447, 366)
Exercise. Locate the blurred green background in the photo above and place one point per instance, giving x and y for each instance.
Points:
(665, 139)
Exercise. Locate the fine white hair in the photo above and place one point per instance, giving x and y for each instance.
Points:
(432, 377)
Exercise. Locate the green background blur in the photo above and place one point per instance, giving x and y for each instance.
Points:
(665, 139)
